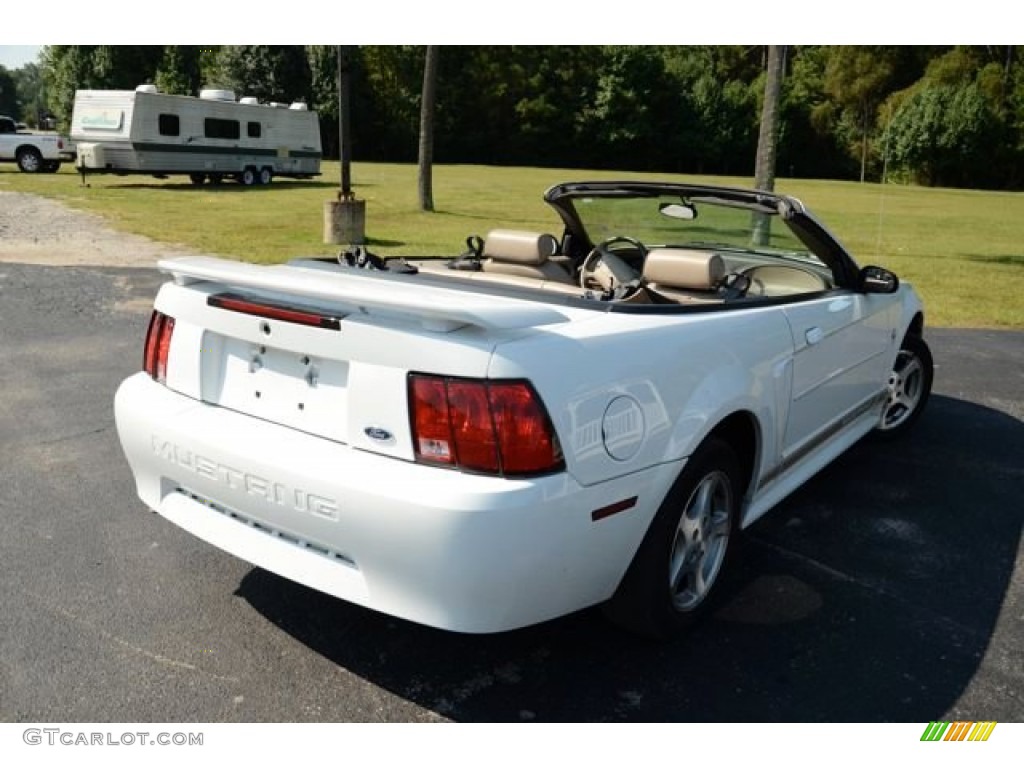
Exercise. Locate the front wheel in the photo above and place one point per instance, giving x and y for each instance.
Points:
(29, 160)
(910, 383)
(197, 178)
(677, 573)
(247, 177)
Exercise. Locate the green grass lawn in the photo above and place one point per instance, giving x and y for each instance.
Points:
(962, 249)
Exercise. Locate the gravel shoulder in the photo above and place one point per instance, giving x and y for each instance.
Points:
(35, 230)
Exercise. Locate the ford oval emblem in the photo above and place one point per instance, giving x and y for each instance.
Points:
(376, 433)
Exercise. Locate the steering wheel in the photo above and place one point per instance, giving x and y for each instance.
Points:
(604, 268)
(734, 286)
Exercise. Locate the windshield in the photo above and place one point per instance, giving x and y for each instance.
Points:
(698, 221)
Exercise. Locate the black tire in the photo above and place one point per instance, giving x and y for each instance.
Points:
(29, 160)
(216, 178)
(910, 384)
(51, 166)
(678, 573)
(247, 177)
(266, 176)
(197, 178)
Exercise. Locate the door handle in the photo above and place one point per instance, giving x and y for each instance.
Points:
(814, 335)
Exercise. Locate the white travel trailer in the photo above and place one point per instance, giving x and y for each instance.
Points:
(210, 138)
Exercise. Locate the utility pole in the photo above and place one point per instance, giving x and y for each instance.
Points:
(345, 218)
(344, 121)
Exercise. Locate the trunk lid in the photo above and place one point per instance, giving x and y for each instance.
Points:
(327, 349)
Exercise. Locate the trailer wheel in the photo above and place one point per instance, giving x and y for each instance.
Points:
(247, 177)
(266, 175)
(29, 160)
(198, 178)
(51, 166)
(216, 178)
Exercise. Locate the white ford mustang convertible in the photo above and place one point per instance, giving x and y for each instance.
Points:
(539, 425)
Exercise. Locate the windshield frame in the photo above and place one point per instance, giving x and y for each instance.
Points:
(578, 242)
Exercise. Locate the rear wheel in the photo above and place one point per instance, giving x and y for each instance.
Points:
(266, 175)
(29, 160)
(677, 574)
(909, 385)
(216, 178)
(197, 178)
(247, 177)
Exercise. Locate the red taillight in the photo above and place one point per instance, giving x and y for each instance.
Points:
(158, 346)
(472, 426)
(497, 427)
(431, 427)
(527, 441)
(152, 334)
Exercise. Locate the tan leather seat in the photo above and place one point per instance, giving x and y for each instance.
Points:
(522, 254)
(684, 275)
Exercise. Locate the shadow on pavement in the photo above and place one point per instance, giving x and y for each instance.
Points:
(869, 595)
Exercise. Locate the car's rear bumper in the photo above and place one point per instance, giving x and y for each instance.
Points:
(458, 551)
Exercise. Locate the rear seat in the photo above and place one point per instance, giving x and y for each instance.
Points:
(522, 254)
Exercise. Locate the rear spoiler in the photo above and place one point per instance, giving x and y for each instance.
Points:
(365, 292)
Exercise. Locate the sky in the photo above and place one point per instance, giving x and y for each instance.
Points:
(542, 22)
(16, 56)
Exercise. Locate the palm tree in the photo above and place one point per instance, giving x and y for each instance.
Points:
(767, 139)
(426, 176)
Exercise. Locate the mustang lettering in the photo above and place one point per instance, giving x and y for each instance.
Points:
(252, 484)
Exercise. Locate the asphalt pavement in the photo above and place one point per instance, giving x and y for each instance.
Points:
(890, 588)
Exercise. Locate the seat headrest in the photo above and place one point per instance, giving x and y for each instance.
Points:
(679, 268)
(519, 247)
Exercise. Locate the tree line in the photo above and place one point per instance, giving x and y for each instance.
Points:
(935, 115)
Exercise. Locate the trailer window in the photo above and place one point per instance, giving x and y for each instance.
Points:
(215, 128)
(169, 125)
(254, 130)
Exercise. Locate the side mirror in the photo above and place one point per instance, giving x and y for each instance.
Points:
(877, 280)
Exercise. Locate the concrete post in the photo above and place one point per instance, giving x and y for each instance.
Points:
(345, 222)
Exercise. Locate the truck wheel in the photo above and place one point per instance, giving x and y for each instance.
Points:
(677, 573)
(216, 178)
(265, 175)
(51, 166)
(247, 177)
(29, 160)
(197, 178)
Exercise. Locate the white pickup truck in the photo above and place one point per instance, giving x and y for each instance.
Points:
(539, 425)
(33, 152)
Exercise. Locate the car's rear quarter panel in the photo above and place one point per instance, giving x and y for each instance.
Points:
(685, 373)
